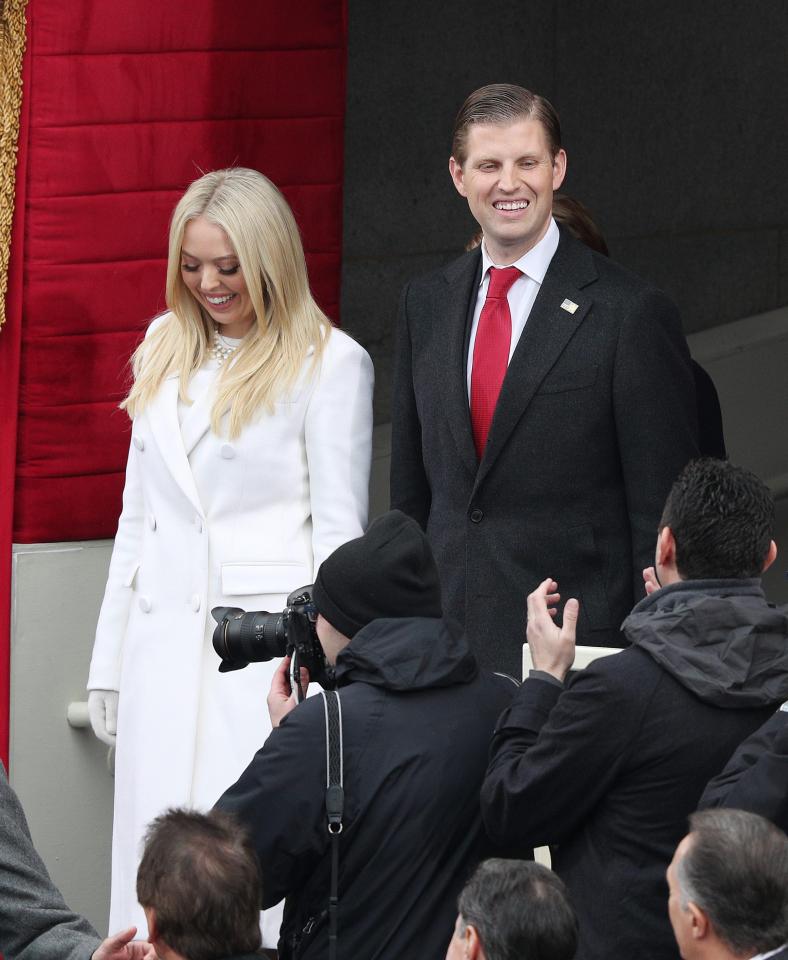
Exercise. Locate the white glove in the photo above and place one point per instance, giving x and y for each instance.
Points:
(103, 713)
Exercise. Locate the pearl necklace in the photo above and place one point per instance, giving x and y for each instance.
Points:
(221, 350)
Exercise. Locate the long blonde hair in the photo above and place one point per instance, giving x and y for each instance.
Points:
(264, 236)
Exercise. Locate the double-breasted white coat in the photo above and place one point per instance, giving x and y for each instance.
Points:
(209, 521)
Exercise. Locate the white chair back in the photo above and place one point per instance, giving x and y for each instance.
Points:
(583, 656)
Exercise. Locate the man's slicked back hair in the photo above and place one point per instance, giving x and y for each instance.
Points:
(736, 870)
(200, 873)
(722, 518)
(504, 103)
(519, 909)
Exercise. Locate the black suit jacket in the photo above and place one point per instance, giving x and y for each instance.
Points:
(595, 419)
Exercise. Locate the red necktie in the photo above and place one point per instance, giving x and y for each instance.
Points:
(491, 353)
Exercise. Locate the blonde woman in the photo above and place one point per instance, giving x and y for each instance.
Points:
(248, 464)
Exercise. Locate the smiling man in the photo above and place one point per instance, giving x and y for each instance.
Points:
(543, 398)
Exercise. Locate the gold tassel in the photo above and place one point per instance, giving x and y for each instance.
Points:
(12, 48)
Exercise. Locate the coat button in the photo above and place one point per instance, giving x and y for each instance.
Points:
(151, 521)
(145, 604)
(196, 602)
(198, 524)
(138, 442)
(228, 451)
(477, 515)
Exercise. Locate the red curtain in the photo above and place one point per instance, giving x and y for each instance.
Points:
(124, 105)
(10, 348)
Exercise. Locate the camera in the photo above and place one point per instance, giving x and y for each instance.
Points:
(242, 637)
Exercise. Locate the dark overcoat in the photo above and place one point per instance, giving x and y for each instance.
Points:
(756, 776)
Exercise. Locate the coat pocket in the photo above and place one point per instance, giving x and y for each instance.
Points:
(263, 576)
(568, 380)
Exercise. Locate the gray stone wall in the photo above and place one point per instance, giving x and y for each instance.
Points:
(674, 118)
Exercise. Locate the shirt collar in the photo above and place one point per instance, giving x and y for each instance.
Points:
(771, 953)
(535, 262)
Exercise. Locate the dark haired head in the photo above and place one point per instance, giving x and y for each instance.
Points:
(722, 519)
(504, 103)
(577, 219)
(200, 875)
(735, 869)
(519, 909)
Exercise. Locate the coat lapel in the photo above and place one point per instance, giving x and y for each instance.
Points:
(462, 277)
(162, 415)
(197, 421)
(549, 329)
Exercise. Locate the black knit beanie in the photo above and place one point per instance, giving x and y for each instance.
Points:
(388, 572)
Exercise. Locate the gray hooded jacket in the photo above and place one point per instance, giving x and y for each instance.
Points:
(721, 639)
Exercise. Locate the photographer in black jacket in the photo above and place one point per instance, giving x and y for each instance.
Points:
(417, 716)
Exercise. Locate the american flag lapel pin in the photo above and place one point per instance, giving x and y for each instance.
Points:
(569, 306)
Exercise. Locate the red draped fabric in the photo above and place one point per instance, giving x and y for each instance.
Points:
(124, 105)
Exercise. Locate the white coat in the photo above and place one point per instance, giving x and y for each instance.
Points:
(208, 521)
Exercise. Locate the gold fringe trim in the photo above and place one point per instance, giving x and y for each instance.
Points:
(12, 48)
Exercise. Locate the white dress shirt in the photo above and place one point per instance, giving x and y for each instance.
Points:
(522, 293)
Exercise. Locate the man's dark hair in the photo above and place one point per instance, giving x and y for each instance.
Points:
(200, 874)
(736, 870)
(504, 103)
(722, 518)
(519, 909)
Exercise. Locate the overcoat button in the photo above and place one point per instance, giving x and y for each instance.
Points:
(196, 602)
(138, 442)
(145, 604)
(228, 451)
(198, 524)
(151, 521)
(477, 515)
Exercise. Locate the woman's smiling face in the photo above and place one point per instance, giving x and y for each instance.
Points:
(212, 273)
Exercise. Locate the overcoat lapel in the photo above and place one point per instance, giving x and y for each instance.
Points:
(462, 278)
(162, 416)
(549, 329)
(197, 421)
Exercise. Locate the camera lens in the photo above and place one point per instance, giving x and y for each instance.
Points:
(242, 638)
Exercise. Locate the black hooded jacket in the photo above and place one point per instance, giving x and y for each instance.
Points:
(756, 776)
(417, 717)
(608, 769)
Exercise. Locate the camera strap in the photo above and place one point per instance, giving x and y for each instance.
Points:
(335, 799)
